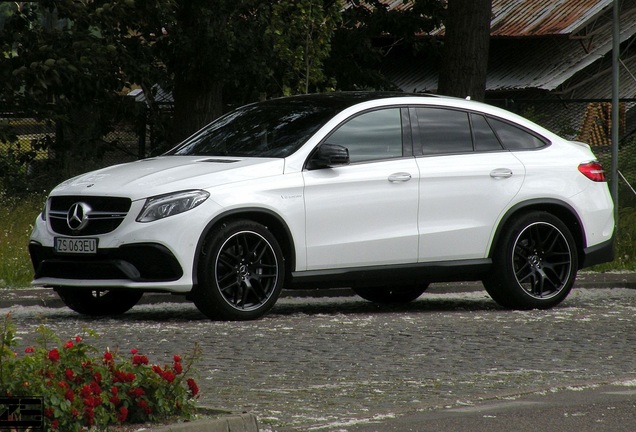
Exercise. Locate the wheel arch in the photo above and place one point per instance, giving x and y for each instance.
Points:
(268, 218)
(560, 209)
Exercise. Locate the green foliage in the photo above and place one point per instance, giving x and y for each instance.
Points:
(82, 387)
(369, 33)
(66, 62)
(16, 222)
(300, 33)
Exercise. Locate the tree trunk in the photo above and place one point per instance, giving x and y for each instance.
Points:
(466, 44)
(195, 105)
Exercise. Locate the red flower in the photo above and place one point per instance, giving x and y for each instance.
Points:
(108, 357)
(123, 414)
(134, 351)
(136, 392)
(78, 339)
(177, 359)
(157, 369)
(124, 377)
(114, 400)
(69, 374)
(75, 412)
(144, 406)
(48, 412)
(168, 376)
(95, 388)
(139, 360)
(178, 368)
(68, 344)
(69, 395)
(90, 415)
(86, 391)
(63, 384)
(29, 350)
(55, 424)
(54, 355)
(114, 390)
(192, 385)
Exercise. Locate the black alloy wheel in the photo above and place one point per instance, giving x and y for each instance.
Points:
(241, 272)
(535, 265)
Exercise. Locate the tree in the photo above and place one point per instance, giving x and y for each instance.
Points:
(466, 46)
(66, 62)
(370, 31)
(230, 52)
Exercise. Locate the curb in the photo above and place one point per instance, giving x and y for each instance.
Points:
(227, 423)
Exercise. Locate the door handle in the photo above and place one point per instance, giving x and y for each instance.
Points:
(501, 173)
(399, 177)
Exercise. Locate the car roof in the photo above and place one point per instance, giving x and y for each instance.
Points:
(342, 100)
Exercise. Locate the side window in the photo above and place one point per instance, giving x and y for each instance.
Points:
(514, 138)
(370, 136)
(483, 136)
(444, 131)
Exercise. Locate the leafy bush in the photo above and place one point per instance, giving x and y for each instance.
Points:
(82, 387)
(17, 216)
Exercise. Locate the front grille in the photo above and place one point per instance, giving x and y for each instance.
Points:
(97, 215)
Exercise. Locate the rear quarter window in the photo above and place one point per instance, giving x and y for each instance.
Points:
(515, 138)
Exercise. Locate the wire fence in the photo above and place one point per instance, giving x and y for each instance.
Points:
(33, 143)
(590, 121)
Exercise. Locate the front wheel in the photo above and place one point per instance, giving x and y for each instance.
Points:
(241, 272)
(99, 302)
(535, 264)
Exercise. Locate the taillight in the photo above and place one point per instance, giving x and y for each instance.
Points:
(593, 170)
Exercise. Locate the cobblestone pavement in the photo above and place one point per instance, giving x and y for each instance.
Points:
(331, 363)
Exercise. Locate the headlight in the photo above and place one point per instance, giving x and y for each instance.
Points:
(163, 206)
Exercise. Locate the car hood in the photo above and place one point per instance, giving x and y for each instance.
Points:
(160, 175)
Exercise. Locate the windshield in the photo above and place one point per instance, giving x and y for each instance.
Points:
(275, 128)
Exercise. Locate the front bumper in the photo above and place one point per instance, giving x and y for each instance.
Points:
(134, 262)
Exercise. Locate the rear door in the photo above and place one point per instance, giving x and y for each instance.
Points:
(467, 181)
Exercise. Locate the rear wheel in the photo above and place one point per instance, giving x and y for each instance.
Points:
(535, 263)
(99, 302)
(391, 294)
(241, 272)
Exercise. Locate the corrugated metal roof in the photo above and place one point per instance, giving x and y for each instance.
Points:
(525, 18)
(529, 18)
(543, 63)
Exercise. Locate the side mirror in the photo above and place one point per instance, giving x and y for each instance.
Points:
(328, 156)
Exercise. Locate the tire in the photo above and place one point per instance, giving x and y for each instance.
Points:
(99, 302)
(535, 264)
(241, 272)
(387, 295)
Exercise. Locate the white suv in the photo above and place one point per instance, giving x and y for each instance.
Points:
(383, 193)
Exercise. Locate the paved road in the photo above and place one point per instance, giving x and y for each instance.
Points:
(343, 364)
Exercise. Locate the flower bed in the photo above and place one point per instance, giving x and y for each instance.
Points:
(82, 387)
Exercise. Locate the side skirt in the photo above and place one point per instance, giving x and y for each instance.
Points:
(442, 271)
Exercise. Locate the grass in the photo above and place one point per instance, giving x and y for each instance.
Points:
(17, 216)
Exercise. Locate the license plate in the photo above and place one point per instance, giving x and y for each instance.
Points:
(84, 246)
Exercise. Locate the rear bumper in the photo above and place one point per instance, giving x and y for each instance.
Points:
(598, 254)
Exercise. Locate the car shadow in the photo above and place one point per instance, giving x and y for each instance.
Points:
(311, 306)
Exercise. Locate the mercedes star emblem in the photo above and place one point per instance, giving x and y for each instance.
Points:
(77, 217)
